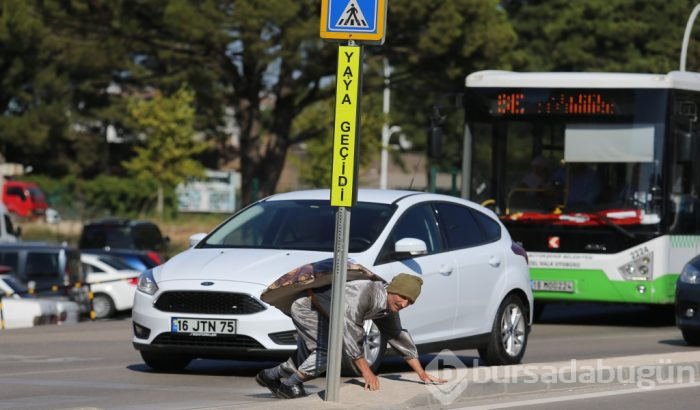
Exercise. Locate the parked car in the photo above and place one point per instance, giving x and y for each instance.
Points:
(51, 270)
(137, 260)
(112, 281)
(114, 234)
(23, 310)
(476, 279)
(688, 302)
(24, 199)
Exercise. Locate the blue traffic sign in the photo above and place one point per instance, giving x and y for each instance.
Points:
(353, 19)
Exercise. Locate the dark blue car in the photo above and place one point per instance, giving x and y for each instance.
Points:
(688, 302)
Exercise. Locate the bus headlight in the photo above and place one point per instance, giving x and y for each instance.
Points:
(690, 274)
(641, 268)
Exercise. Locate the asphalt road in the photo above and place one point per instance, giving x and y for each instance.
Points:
(93, 365)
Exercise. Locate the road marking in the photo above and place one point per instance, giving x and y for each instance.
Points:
(576, 397)
(80, 369)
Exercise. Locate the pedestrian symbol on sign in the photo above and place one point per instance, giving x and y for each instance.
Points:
(352, 16)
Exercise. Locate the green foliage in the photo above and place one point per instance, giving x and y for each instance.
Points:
(315, 168)
(167, 124)
(603, 35)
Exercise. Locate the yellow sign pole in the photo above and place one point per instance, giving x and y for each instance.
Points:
(347, 124)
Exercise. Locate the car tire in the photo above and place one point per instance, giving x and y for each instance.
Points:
(509, 334)
(692, 337)
(162, 362)
(374, 345)
(103, 306)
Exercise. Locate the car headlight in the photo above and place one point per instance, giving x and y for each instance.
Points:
(690, 274)
(147, 284)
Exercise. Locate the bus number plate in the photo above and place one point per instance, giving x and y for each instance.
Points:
(553, 286)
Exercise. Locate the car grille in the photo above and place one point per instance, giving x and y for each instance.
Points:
(284, 338)
(218, 303)
(231, 341)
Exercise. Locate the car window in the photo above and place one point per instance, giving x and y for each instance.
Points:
(490, 228)
(114, 262)
(100, 236)
(417, 222)
(14, 285)
(42, 265)
(87, 268)
(299, 224)
(147, 236)
(459, 226)
(9, 259)
(15, 191)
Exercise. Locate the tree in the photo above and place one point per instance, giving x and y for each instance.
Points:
(602, 35)
(167, 124)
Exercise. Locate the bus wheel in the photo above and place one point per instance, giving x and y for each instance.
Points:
(692, 337)
(508, 336)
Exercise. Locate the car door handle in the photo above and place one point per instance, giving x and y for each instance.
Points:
(446, 270)
(495, 261)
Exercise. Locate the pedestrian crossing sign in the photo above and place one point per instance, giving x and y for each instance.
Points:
(360, 20)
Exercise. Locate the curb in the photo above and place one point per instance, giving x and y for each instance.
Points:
(404, 390)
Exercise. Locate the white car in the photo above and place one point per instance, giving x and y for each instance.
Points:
(19, 312)
(476, 290)
(112, 281)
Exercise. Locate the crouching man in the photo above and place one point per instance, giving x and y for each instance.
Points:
(365, 300)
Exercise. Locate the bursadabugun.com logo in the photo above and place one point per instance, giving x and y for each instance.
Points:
(448, 366)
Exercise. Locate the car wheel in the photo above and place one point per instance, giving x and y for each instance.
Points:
(508, 336)
(374, 345)
(165, 362)
(692, 337)
(103, 306)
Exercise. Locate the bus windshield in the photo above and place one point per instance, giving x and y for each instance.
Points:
(566, 155)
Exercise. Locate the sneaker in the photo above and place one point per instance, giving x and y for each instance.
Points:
(264, 380)
(291, 392)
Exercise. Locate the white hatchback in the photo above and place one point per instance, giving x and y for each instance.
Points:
(112, 281)
(205, 302)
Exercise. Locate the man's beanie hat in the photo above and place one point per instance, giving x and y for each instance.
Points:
(406, 285)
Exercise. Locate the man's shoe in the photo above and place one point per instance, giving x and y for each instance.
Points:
(291, 392)
(266, 381)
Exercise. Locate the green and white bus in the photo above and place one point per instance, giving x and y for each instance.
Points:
(596, 175)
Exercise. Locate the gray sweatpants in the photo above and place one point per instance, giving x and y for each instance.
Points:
(311, 355)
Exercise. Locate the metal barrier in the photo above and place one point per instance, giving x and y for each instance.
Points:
(57, 288)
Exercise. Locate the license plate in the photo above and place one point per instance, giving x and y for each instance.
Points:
(203, 327)
(553, 285)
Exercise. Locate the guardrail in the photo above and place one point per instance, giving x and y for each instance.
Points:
(56, 289)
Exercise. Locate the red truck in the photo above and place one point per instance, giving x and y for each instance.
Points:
(24, 199)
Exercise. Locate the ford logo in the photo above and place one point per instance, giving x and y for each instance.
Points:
(207, 283)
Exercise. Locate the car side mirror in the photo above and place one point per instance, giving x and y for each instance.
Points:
(18, 231)
(409, 247)
(196, 238)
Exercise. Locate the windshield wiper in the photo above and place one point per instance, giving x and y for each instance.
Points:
(613, 225)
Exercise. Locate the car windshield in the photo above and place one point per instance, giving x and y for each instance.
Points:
(300, 225)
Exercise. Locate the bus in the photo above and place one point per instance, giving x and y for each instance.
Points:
(596, 175)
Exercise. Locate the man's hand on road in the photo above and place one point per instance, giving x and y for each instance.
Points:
(371, 381)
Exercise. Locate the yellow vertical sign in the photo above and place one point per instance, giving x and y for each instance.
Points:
(347, 109)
